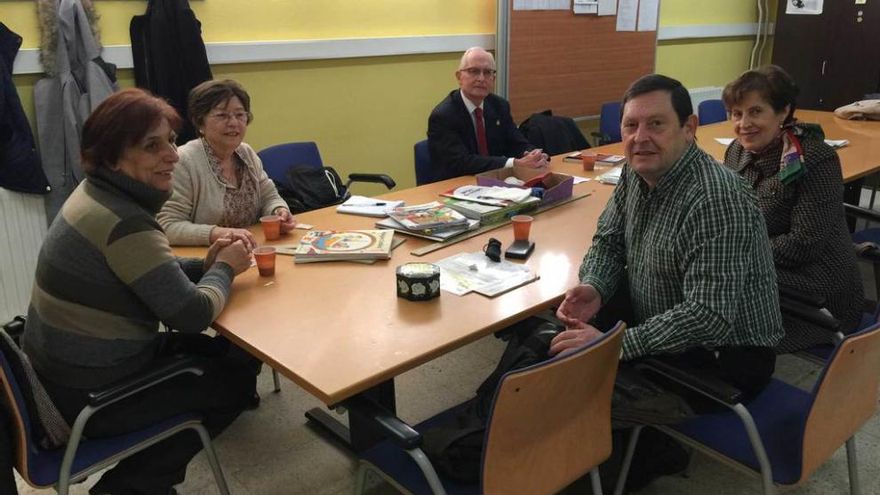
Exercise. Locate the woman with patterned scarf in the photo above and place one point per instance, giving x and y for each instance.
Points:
(799, 187)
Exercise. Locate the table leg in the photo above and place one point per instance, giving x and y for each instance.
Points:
(361, 432)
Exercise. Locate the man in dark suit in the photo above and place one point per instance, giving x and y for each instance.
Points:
(471, 130)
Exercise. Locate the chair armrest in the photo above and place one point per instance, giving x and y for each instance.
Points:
(374, 178)
(860, 212)
(707, 386)
(15, 329)
(868, 251)
(809, 313)
(394, 428)
(161, 371)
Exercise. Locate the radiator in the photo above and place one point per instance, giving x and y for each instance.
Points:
(22, 230)
(703, 94)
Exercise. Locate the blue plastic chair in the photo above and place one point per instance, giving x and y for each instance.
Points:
(82, 457)
(785, 433)
(278, 159)
(711, 111)
(566, 403)
(424, 173)
(609, 123)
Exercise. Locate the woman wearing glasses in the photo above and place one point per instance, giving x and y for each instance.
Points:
(220, 187)
(105, 279)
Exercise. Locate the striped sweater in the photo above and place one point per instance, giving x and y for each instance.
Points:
(106, 277)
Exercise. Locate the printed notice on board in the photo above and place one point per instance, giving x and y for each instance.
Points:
(607, 7)
(627, 10)
(804, 7)
(541, 4)
(586, 7)
(648, 15)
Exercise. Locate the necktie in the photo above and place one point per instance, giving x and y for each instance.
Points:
(482, 145)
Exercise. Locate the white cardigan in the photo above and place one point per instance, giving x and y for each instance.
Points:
(196, 204)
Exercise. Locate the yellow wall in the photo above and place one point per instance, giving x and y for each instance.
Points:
(366, 113)
(713, 61)
(237, 20)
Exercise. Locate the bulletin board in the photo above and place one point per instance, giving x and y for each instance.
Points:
(571, 63)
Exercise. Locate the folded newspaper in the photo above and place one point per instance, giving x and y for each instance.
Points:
(467, 272)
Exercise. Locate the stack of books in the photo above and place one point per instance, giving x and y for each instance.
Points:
(490, 205)
(345, 245)
(489, 214)
(433, 221)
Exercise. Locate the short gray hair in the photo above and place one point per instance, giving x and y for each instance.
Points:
(474, 49)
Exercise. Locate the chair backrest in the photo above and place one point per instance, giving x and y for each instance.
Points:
(609, 122)
(278, 159)
(551, 422)
(424, 173)
(18, 411)
(711, 111)
(845, 397)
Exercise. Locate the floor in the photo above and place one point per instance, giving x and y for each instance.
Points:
(272, 451)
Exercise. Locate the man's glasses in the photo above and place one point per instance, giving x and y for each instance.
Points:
(476, 72)
(225, 116)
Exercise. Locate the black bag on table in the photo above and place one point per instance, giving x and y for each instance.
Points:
(309, 188)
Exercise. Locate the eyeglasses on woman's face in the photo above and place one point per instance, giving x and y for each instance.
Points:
(227, 116)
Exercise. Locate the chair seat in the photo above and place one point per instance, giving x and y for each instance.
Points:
(780, 415)
(397, 464)
(44, 465)
(866, 235)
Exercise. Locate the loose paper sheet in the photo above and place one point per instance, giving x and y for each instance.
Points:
(648, 11)
(804, 7)
(607, 7)
(627, 10)
(541, 4)
(586, 7)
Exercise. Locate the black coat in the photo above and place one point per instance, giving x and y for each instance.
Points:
(452, 139)
(812, 248)
(169, 54)
(20, 167)
(553, 134)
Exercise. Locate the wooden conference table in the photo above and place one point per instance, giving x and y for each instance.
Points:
(338, 329)
(858, 159)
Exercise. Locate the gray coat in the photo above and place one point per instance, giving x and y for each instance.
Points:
(63, 102)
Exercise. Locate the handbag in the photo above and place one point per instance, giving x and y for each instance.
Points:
(309, 188)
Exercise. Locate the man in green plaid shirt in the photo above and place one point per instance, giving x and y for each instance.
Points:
(680, 253)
